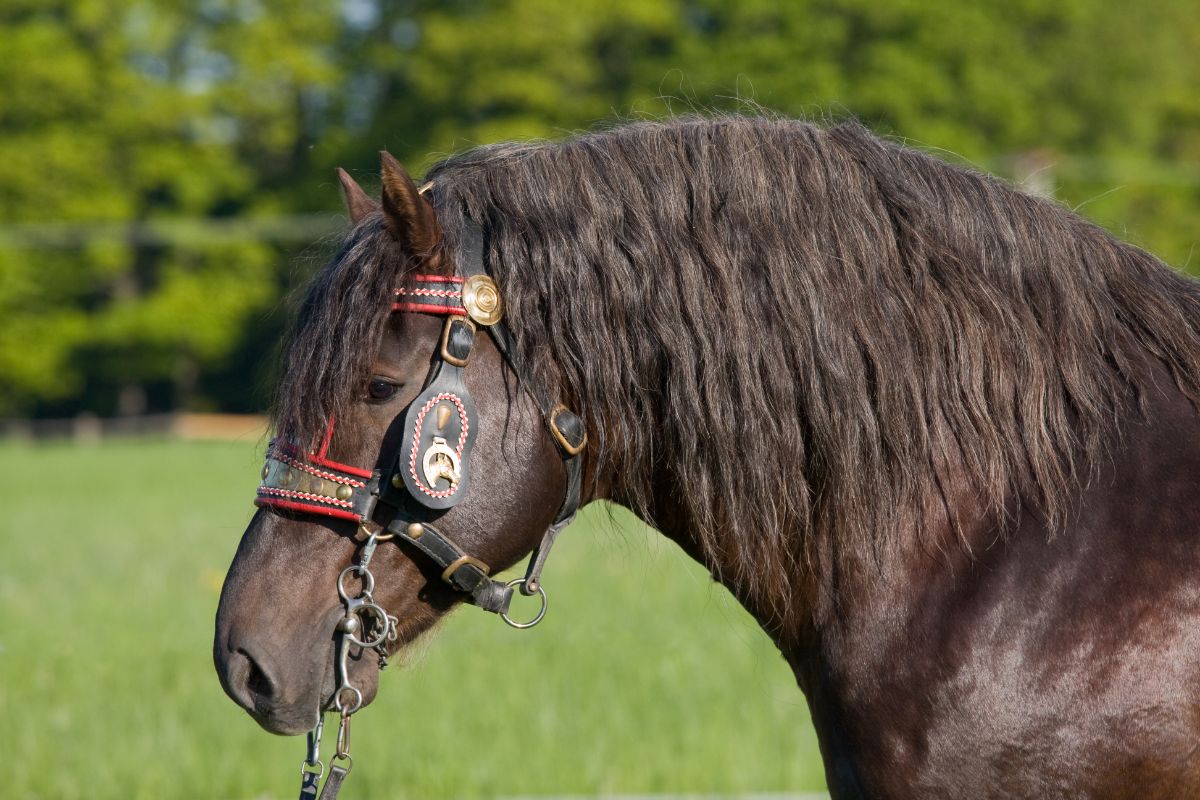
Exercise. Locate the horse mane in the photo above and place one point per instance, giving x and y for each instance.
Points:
(800, 335)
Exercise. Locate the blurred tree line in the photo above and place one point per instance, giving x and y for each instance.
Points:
(166, 165)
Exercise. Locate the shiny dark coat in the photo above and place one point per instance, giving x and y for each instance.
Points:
(938, 436)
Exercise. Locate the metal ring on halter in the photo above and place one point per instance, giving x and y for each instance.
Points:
(347, 710)
(541, 612)
(367, 578)
(383, 625)
(307, 767)
(381, 536)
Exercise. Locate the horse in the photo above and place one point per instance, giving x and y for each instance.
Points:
(939, 437)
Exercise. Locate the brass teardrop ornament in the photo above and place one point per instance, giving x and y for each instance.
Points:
(443, 416)
(481, 299)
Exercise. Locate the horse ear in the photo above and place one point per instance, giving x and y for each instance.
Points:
(409, 216)
(358, 205)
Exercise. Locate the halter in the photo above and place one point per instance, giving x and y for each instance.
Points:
(430, 473)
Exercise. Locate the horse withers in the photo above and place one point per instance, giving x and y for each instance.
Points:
(939, 437)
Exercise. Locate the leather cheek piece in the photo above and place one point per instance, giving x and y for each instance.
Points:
(439, 430)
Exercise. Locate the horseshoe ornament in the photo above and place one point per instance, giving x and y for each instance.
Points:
(440, 462)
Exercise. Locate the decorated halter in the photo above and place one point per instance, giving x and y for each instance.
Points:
(431, 472)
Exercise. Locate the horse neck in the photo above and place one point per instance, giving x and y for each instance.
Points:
(800, 603)
(839, 631)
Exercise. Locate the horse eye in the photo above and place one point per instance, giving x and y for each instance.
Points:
(380, 389)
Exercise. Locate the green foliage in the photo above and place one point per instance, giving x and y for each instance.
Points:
(124, 113)
(132, 112)
(645, 676)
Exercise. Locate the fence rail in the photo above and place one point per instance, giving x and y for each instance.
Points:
(183, 232)
(90, 428)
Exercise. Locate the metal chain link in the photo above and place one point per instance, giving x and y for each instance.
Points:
(368, 626)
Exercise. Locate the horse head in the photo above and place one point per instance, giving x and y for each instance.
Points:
(411, 464)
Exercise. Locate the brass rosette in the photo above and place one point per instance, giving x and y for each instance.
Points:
(481, 299)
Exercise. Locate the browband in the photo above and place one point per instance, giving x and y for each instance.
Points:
(431, 294)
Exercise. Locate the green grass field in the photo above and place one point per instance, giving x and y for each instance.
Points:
(644, 678)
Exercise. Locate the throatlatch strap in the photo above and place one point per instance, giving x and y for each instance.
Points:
(461, 571)
(566, 512)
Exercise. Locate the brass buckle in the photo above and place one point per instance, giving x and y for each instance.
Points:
(460, 561)
(563, 442)
(443, 352)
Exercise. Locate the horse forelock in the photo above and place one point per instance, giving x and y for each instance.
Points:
(804, 334)
(330, 346)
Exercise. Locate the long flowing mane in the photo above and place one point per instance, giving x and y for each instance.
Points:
(795, 332)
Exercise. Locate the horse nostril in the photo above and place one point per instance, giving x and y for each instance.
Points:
(257, 682)
(245, 680)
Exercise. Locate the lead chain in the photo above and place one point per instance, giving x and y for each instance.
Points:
(368, 626)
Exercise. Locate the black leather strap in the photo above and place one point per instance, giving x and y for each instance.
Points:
(566, 513)
(310, 783)
(461, 571)
(471, 248)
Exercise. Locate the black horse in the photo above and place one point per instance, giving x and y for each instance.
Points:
(939, 437)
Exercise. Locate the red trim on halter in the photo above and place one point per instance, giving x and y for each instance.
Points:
(306, 466)
(426, 308)
(437, 279)
(263, 502)
(320, 454)
(325, 462)
(316, 458)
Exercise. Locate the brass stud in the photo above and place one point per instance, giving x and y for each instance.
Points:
(481, 299)
(345, 492)
(415, 530)
(398, 481)
(266, 470)
(288, 476)
(443, 416)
